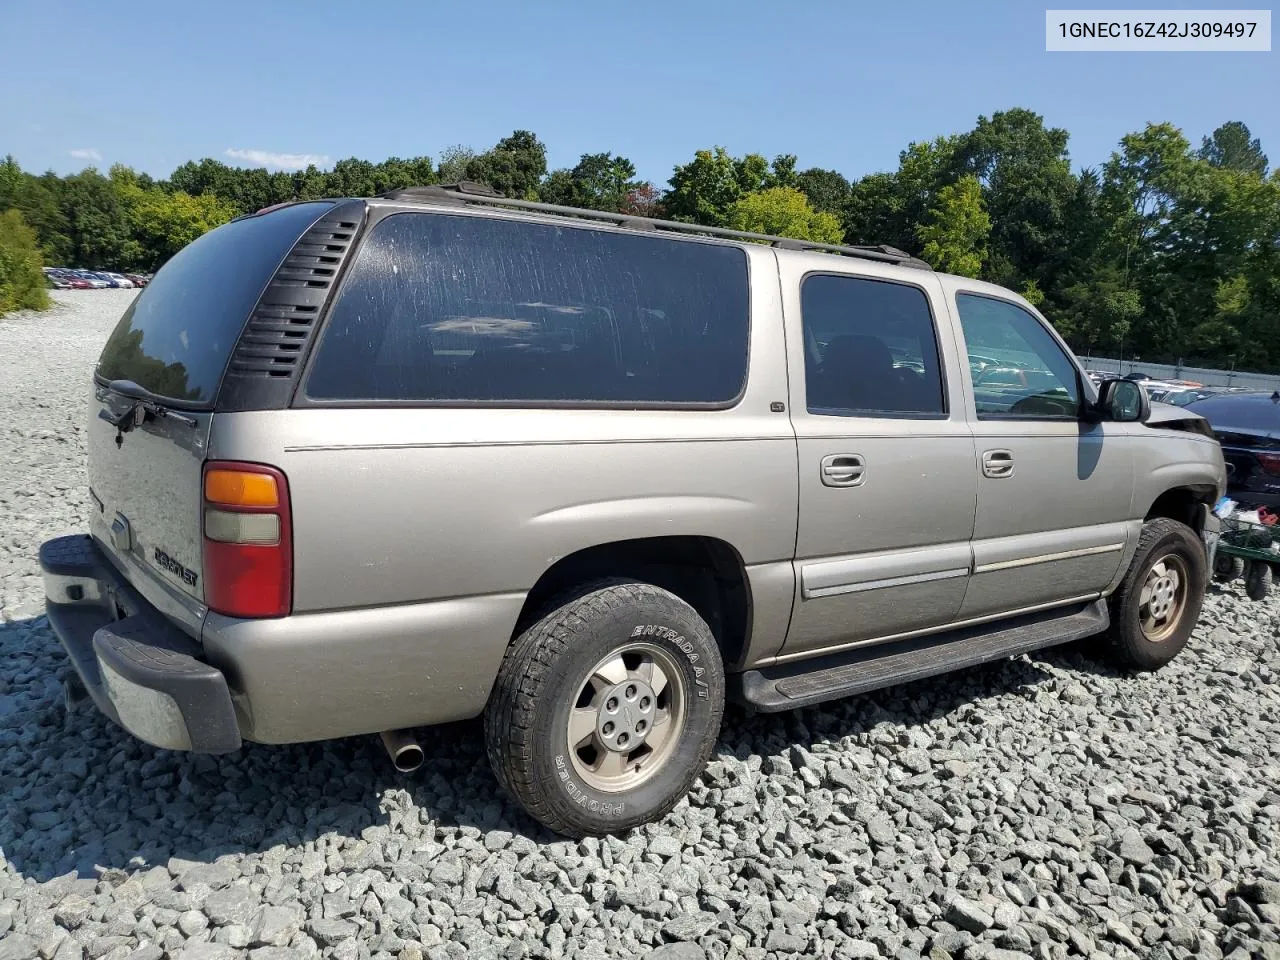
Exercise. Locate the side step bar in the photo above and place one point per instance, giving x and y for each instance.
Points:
(804, 683)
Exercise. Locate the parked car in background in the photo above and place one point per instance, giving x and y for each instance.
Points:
(979, 363)
(1192, 394)
(94, 281)
(67, 278)
(56, 279)
(1247, 424)
(73, 280)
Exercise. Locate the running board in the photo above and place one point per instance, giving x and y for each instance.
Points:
(801, 684)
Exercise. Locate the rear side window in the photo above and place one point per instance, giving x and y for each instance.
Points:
(177, 335)
(870, 349)
(444, 308)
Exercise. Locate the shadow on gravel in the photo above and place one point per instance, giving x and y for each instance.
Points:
(904, 706)
(78, 793)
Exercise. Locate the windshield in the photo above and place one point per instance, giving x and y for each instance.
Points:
(177, 335)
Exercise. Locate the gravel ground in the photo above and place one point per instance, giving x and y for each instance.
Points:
(1043, 807)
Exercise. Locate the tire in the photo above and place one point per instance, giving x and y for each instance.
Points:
(565, 668)
(1140, 638)
(1257, 580)
(1227, 568)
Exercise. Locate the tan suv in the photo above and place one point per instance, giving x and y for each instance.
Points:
(361, 466)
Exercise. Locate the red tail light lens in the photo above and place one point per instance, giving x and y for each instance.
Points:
(1270, 463)
(248, 540)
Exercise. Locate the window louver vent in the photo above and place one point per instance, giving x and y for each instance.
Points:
(273, 341)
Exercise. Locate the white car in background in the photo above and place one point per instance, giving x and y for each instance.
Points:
(120, 279)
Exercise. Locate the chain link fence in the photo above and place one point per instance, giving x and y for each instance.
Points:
(1163, 371)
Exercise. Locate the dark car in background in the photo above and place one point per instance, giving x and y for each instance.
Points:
(1194, 394)
(1247, 424)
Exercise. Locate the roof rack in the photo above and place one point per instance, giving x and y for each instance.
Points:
(469, 192)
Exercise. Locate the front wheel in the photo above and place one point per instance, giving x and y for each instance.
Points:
(1156, 606)
(607, 709)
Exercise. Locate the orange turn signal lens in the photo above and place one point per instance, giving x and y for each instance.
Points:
(239, 488)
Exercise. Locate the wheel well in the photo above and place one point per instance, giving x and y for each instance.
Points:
(704, 572)
(1182, 504)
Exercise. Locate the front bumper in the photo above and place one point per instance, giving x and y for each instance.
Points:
(138, 668)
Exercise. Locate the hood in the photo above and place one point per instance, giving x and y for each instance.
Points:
(1164, 413)
(1166, 416)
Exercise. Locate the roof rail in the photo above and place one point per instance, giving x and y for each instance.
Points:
(468, 192)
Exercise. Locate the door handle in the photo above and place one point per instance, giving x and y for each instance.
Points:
(843, 470)
(997, 464)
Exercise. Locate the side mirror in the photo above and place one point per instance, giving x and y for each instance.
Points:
(1123, 401)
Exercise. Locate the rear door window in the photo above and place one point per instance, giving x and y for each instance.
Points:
(178, 334)
(439, 308)
(870, 349)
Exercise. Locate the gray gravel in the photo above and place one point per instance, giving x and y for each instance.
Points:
(1044, 807)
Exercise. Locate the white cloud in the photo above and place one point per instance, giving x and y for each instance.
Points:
(280, 161)
(86, 153)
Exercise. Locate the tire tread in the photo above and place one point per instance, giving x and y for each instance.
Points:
(530, 664)
(1126, 648)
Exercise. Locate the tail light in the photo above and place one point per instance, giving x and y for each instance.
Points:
(248, 540)
(1270, 463)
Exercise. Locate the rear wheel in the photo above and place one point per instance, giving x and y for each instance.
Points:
(1157, 605)
(607, 709)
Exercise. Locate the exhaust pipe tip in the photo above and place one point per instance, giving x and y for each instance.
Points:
(405, 752)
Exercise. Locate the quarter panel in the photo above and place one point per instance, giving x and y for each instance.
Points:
(337, 674)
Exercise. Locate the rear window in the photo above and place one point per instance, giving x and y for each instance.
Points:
(444, 308)
(177, 335)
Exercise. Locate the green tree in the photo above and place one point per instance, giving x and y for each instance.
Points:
(600, 181)
(1027, 188)
(782, 172)
(163, 223)
(22, 285)
(889, 207)
(827, 190)
(705, 189)
(956, 235)
(394, 173)
(36, 198)
(1232, 148)
(784, 212)
(514, 167)
(453, 163)
(97, 225)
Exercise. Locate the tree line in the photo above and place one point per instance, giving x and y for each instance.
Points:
(1168, 251)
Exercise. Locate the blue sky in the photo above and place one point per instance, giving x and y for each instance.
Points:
(842, 84)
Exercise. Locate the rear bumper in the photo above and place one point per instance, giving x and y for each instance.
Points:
(139, 669)
(309, 676)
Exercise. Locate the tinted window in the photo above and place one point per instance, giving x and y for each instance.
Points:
(870, 349)
(455, 308)
(1035, 377)
(177, 335)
